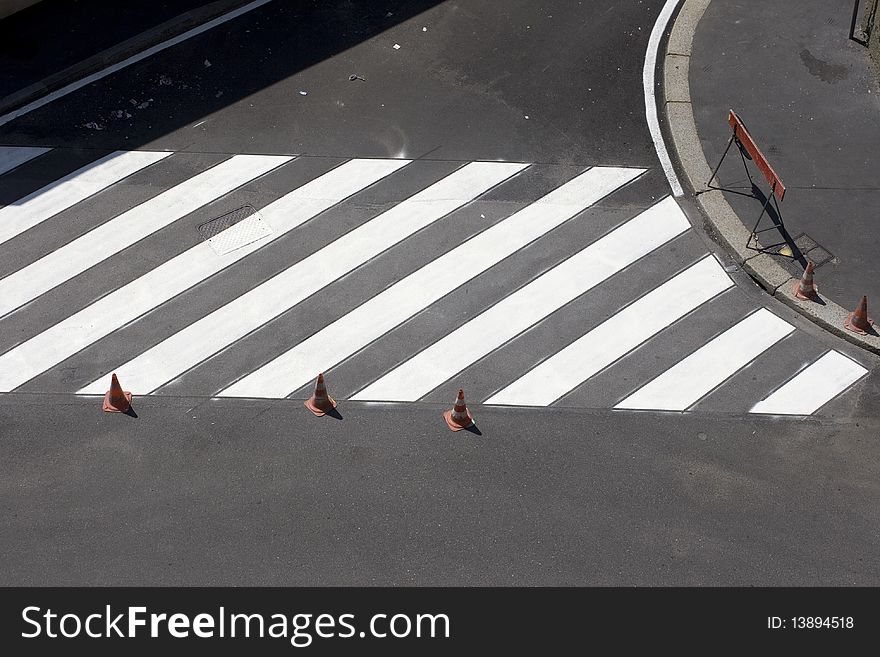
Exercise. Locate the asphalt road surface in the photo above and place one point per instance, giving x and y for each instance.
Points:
(481, 207)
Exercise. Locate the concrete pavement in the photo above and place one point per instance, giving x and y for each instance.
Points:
(810, 98)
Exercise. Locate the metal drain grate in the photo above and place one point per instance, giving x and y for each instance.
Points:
(234, 230)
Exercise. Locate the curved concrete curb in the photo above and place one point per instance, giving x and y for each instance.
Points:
(724, 225)
(138, 43)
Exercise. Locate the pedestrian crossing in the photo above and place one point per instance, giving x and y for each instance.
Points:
(521, 245)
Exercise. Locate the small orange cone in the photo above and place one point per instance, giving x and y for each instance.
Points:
(459, 417)
(858, 320)
(806, 289)
(320, 403)
(116, 400)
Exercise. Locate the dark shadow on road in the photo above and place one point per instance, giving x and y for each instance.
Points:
(778, 224)
(474, 430)
(334, 413)
(249, 53)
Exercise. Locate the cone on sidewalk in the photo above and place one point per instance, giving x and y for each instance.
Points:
(806, 289)
(858, 321)
(116, 400)
(459, 417)
(320, 403)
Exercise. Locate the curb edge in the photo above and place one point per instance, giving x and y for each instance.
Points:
(725, 226)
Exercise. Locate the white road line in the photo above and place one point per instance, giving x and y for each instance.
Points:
(13, 156)
(530, 304)
(344, 337)
(129, 302)
(124, 230)
(149, 52)
(44, 203)
(689, 380)
(813, 387)
(650, 85)
(215, 331)
(616, 336)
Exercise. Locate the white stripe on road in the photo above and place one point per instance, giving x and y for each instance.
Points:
(616, 336)
(813, 387)
(530, 304)
(650, 85)
(149, 52)
(132, 226)
(13, 156)
(689, 380)
(125, 304)
(215, 331)
(383, 312)
(44, 203)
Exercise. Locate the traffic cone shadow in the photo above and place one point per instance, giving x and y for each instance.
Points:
(474, 430)
(334, 413)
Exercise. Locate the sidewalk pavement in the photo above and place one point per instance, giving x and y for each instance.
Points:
(811, 100)
(55, 42)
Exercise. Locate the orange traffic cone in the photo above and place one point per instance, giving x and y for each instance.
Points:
(116, 400)
(858, 321)
(806, 289)
(459, 417)
(320, 403)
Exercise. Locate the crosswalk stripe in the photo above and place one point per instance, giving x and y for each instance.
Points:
(125, 304)
(56, 197)
(13, 156)
(344, 337)
(812, 387)
(530, 304)
(215, 331)
(686, 382)
(616, 336)
(132, 226)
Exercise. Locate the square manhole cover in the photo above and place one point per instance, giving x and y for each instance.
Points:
(234, 230)
(806, 248)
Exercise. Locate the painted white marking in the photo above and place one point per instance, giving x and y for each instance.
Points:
(408, 296)
(813, 387)
(612, 253)
(246, 231)
(649, 83)
(215, 331)
(149, 52)
(13, 156)
(132, 226)
(182, 272)
(48, 201)
(689, 380)
(616, 336)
